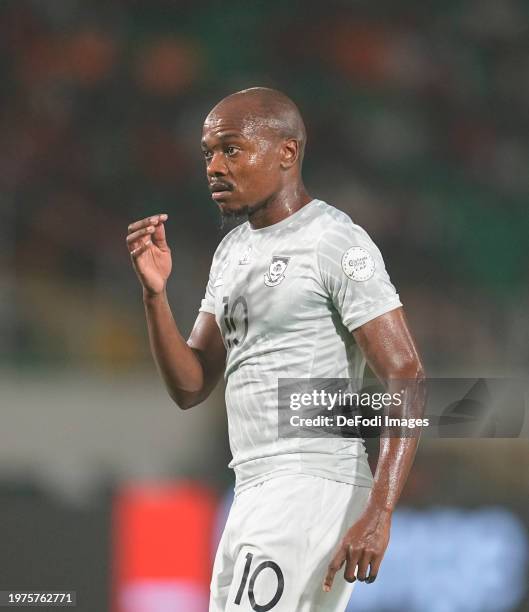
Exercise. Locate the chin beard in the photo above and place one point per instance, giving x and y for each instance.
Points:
(232, 218)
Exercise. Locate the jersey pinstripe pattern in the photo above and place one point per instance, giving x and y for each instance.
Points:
(286, 298)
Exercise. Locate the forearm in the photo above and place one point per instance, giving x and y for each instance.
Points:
(177, 363)
(390, 351)
(398, 445)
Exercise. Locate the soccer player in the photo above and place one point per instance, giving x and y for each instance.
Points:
(296, 291)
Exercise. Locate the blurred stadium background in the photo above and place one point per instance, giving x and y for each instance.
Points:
(418, 123)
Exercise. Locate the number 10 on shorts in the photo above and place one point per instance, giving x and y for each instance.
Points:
(253, 578)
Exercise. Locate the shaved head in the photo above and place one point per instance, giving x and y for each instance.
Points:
(267, 108)
(253, 143)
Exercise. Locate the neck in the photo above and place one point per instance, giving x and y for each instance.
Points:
(279, 206)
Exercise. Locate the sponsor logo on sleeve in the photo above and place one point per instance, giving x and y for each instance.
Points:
(357, 264)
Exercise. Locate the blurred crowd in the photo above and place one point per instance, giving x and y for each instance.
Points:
(418, 123)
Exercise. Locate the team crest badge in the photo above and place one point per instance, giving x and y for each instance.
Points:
(276, 271)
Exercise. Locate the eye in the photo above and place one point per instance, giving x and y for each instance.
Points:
(207, 155)
(231, 150)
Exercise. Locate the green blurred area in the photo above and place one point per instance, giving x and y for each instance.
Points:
(418, 128)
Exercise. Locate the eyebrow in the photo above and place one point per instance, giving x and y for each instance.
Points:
(224, 136)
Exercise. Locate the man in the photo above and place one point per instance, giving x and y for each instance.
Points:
(297, 291)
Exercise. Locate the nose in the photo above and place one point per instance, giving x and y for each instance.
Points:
(217, 165)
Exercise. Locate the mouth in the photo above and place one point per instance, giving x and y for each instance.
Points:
(220, 190)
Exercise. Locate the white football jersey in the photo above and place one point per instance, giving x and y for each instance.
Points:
(286, 299)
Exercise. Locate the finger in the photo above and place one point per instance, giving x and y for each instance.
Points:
(153, 220)
(158, 236)
(374, 569)
(353, 557)
(135, 253)
(363, 566)
(133, 239)
(334, 566)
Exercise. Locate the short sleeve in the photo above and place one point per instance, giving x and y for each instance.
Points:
(218, 266)
(208, 303)
(353, 274)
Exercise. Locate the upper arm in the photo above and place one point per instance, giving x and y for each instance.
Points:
(354, 276)
(206, 341)
(389, 347)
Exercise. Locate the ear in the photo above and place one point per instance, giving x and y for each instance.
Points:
(289, 153)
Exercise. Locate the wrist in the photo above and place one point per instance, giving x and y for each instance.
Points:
(150, 297)
(380, 506)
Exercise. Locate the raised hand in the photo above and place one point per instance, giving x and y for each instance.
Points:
(150, 255)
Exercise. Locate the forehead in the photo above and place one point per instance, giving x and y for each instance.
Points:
(237, 119)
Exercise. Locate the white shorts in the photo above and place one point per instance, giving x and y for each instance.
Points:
(278, 541)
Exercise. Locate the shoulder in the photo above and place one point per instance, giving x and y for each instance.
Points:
(347, 253)
(337, 229)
